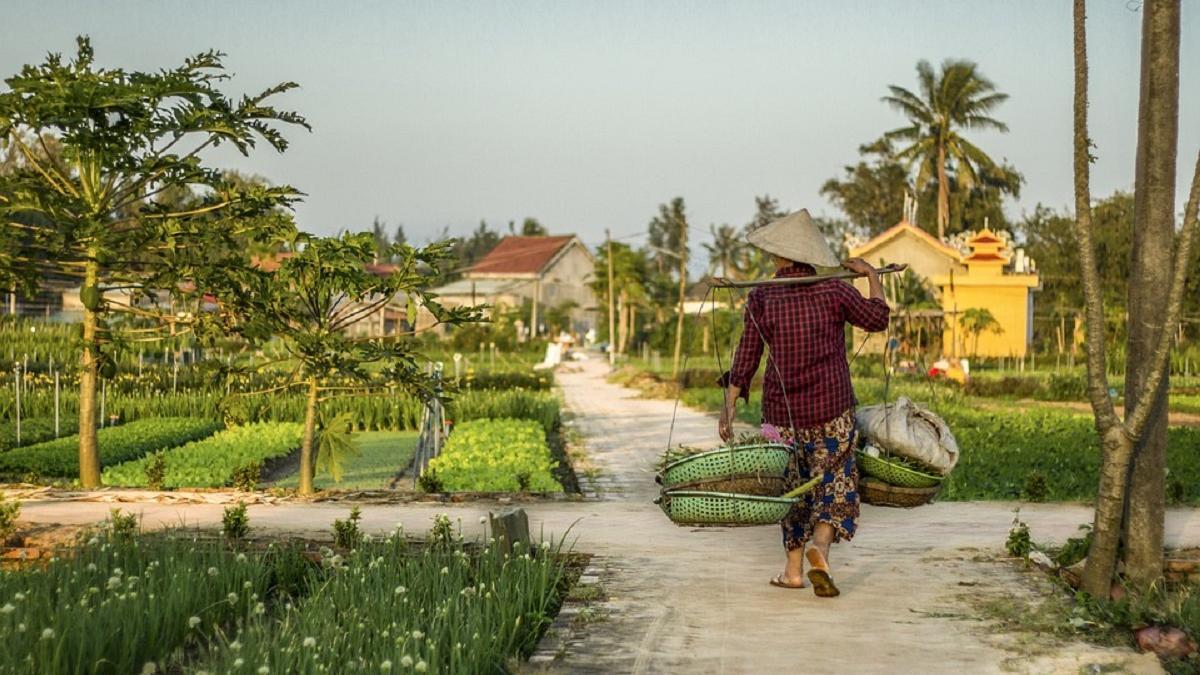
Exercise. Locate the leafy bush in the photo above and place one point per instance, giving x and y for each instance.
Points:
(213, 461)
(9, 511)
(34, 430)
(346, 533)
(247, 477)
(60, 458)
(501, 455)
(156, 470)
(235, 524)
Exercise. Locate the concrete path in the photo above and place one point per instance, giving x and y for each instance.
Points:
(697, 601)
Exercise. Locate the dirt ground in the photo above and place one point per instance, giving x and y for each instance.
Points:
(682, 600)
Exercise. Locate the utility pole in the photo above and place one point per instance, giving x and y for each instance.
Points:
(682, 292)
(612, 318)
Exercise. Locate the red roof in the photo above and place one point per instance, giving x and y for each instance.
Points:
(520, 255)
(984, 237)
(978, 257)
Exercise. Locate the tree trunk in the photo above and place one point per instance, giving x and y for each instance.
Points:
(1151, 272)
(310, 433)
(89, 451)
(682, 297)
(1110, 508)
(621, 336)
(943, 204)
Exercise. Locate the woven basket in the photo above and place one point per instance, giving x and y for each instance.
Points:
(766, 459)
(695, 507)
(895, 474)
(747, 484)
(876, 492)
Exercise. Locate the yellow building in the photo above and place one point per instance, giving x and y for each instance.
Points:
(990, 276)
(989, 283)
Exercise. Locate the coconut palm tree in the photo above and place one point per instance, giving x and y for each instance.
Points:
(727, 252)
(954, 99)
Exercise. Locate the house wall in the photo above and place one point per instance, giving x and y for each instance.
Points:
(569, 279)
(1008, 303)
(922, 258)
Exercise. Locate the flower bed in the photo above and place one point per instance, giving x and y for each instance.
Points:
(176, 602)
(211, 462)
(60, 458)
(494, 455)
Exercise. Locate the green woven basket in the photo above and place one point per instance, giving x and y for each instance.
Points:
(769, 459)
(895, 474)
(694, 507)
(728, 509)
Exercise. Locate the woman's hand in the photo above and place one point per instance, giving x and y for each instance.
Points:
(859, 266)
(725, 426)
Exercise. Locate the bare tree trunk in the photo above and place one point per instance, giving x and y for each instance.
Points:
(622, 324)
(310, 433)
(943, 204)
(682, 296)
(1150, 272)
(89, 451)
(1110, 496)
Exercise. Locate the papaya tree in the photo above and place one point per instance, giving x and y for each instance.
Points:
(308, 298)
(127, 206)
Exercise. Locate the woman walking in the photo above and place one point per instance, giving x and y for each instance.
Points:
(807, 400)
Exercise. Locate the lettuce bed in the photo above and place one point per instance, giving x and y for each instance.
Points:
(495, 455)
(211, 462)
(35, 430)
(60, 458)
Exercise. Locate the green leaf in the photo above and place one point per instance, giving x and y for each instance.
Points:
(336, 445)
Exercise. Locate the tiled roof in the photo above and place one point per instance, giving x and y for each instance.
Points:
(903, 226)
(520, 255)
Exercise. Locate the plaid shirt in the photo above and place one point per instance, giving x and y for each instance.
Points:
(804, 326)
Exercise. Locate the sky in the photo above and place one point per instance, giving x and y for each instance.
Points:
(588, 115)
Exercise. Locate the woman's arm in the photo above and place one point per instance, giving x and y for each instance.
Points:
(869, 314)
(736, 383)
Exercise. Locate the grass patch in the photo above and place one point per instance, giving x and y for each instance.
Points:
(384, 454)
(494, 455)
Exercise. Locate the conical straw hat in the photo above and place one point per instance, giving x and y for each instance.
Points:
(795, 237)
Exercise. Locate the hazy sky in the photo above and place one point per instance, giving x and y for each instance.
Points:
(588, 115)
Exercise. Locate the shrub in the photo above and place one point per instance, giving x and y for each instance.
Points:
(1036, 488)
(231, 456)
(1019, 542)
(156, 470)
(34, 430)
(346, 533)
(122, 525)
(60, 458)
(9, 512)
(235, 524)
(501, 455)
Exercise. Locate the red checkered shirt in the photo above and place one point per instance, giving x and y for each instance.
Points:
(804, 326)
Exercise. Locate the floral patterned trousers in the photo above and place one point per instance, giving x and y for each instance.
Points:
(826, 450)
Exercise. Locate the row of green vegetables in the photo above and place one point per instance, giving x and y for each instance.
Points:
(382, 411)
(494, 455)
(123, 603)
(210, 462)
(182, 451)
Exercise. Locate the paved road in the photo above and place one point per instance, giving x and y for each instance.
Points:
(696, 601)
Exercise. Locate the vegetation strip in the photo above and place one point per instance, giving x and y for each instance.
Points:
(211, 462)
(60, 458)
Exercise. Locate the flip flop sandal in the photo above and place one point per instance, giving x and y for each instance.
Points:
(778, 582)
(818, 574)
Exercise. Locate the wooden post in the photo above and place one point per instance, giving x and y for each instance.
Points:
(510, 528)
(682, 296)
(612, 318)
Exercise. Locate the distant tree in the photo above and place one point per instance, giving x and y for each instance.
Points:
(975, 322)
(957, 98)
(726, 252)
(667, 235)
(871, 193)
(631, 280)
(757, 263)
(383, 242)
(100, 212)
(532, 228)
(399, 238)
